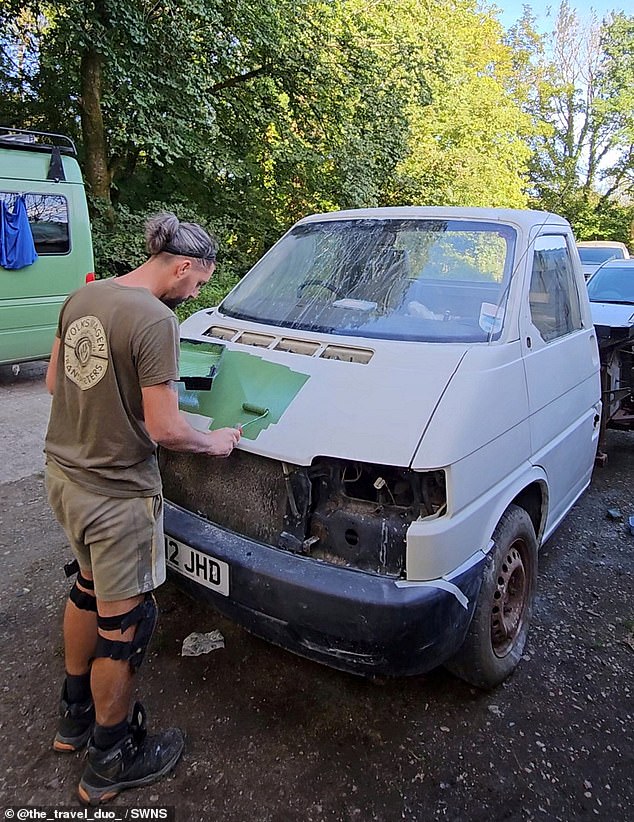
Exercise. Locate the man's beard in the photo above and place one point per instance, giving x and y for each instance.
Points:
(172, 302)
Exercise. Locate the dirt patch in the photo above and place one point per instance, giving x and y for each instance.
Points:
(272, 737)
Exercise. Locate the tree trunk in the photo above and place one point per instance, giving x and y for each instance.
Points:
(97, 173)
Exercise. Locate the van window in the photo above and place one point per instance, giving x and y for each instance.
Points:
(554, 299)
(48, 218)
(429, 280)
(591, 255)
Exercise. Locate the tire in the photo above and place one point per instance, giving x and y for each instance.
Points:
(497, 634)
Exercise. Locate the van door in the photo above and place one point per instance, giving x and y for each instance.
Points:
(561, 362)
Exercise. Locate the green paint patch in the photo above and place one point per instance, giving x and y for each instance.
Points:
(238, 378)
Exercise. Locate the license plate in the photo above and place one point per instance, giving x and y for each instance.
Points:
(208, 571)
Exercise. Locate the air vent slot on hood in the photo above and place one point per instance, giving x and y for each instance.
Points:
(259, 340)
(221, 333)
(292, 345)
(307, 347)
(347, 354)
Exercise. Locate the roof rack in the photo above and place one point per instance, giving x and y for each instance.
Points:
(21, 138)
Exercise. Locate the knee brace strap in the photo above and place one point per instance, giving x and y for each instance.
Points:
(113, 649)
(81, 599)
(85, 583)
(144, 616)
(84, 601)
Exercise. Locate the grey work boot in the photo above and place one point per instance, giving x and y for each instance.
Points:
(76, 721)
(136, 760)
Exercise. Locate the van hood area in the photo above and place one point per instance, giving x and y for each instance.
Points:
(304, 396)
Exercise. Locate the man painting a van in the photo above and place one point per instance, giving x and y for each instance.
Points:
(111, 374)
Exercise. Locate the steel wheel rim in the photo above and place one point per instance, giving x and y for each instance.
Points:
(510, 599)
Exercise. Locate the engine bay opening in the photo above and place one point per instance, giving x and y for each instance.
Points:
(360, 513)
(346, 513)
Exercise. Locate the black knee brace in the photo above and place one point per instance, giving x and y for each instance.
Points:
(84, 601)
(145, 617)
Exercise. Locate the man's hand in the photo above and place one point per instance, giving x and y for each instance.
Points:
(169, 427)
(223, 441)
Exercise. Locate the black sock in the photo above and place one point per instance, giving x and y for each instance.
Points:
(78, 688)
(106, 736)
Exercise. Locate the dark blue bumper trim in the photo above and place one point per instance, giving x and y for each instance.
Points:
(348, 619)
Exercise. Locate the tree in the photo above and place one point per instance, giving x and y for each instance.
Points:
(467, 141)
(582, 149)
(616, 99)
(248, 115)
(184, 85)
(113, 71)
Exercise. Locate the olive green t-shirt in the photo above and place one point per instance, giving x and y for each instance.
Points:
(115, 340)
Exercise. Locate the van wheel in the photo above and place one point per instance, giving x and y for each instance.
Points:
(497, 635)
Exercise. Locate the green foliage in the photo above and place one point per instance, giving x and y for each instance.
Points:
(581, 102)
(120, 247)
(595, 218)
(467, 142)
(245, 115)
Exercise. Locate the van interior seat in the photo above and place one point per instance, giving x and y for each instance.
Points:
(458, 297)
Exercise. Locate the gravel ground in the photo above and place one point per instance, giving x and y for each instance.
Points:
(272, 737)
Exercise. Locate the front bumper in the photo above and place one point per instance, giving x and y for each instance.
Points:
(352, 620)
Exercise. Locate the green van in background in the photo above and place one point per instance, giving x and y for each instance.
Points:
(42, 170)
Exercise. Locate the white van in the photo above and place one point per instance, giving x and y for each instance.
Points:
(419, 390)
(595, 253)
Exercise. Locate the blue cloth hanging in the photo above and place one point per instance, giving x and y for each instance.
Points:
(17, 249)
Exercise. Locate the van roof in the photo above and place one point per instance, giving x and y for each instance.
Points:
(28, 157)
(601, 244)
(526, 218)
(22, 139)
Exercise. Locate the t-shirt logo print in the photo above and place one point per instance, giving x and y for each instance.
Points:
(85, 352)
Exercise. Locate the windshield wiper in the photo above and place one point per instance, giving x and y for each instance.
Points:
(611, 302)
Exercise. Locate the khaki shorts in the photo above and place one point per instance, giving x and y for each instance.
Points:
(119, 540)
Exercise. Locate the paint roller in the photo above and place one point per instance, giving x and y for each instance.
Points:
(259, 411)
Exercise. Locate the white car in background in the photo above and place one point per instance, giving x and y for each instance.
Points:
(594, 253)
(611, 293)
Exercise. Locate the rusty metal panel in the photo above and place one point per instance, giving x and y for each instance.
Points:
(245, 493)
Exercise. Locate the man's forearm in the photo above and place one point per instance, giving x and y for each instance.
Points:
(169, 427)
(181, 436)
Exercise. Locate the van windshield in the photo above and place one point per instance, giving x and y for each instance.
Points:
(428, 280)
